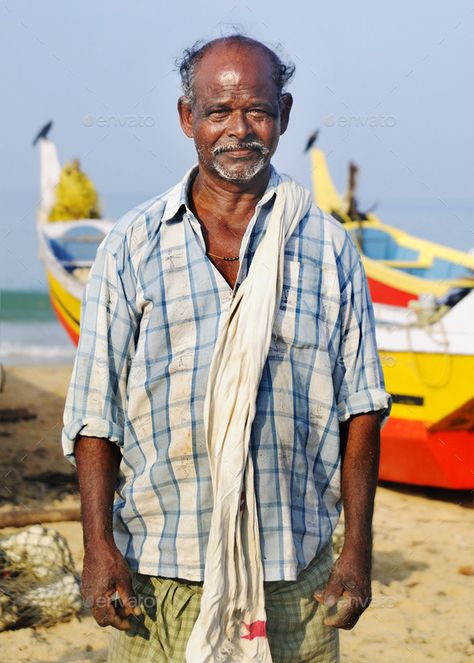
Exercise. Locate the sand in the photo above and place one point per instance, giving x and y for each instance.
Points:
(423, 549)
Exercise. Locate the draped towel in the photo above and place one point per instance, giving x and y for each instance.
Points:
(231, 625)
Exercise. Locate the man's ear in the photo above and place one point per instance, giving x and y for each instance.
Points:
(185, 116)
(286, 102)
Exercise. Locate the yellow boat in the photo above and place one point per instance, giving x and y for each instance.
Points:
(400, 268)
(67, 248)
(424, 309)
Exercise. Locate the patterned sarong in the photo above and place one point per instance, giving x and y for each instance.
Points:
(295, 628)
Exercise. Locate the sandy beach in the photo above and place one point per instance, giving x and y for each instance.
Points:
(423, 548)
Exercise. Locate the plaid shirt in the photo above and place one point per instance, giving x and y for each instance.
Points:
(150, 318)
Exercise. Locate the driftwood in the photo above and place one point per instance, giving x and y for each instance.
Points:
(17, 414)
(23, 517)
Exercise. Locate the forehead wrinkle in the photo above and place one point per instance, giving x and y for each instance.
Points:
(214, 94)
(229, 81)
(243, 92)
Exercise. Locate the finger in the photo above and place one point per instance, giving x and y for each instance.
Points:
(115, 621)
(331, 593)
(129, 602)
(106, 614)
(348, 614)
(120, 624)
(103, 614)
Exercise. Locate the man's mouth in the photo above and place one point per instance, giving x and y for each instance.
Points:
(241, 153)
(240, 150)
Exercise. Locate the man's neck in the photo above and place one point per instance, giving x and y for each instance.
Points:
(218, 201)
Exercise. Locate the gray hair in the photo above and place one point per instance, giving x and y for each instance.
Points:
(282, 71)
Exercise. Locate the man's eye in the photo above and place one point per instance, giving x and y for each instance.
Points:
(258, 113)
(218, 114)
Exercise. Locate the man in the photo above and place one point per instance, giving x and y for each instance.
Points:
(162, 284)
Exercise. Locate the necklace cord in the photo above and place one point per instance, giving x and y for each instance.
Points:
(232, 259)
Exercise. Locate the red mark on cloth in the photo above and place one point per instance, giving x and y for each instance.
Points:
(242, 501)
(256, 629)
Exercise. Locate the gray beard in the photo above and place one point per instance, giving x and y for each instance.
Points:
(241, 176)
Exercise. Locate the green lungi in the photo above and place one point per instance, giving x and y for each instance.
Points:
(170, 607)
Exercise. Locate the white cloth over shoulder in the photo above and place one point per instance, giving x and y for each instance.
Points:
(231, 626)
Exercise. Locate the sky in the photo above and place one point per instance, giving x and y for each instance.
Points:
(388, 85)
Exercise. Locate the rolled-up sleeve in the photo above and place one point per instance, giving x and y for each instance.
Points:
(361, 386)
(96, 400)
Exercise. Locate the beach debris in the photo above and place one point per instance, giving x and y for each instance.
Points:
(76, 197)
(12, 415)
(466, 570)
(53, 479)
(24, 517)
(38, 582)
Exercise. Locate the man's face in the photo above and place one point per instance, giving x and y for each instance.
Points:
(237, 117)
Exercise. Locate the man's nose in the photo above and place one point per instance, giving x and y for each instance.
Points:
(239, 126)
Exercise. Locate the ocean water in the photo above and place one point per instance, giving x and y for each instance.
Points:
(30, 332)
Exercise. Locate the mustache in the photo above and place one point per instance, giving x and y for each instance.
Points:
(255, 145)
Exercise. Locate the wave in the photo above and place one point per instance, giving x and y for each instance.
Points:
(23, 342)
(8, 349)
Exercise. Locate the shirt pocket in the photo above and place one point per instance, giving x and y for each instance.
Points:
(285, 318)
(329, 294)
(295, 324)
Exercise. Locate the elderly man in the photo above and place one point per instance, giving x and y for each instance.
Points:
(227, 387)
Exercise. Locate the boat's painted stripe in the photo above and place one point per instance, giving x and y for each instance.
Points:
(383, 293)
(66, 314)
(70, 329)
(412, 285)
(66, 307)
(69, 302)
(406, 399)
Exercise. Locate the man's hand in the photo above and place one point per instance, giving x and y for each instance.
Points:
(105, 574)
(349, 579)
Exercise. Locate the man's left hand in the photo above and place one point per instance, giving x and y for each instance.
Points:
(350, 580)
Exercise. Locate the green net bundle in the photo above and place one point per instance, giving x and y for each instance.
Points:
(38, 583)
(76, 197)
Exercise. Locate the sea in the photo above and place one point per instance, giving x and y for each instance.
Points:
(31, 334)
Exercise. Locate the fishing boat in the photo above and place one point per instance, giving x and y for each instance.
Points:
(67, 248)
(428, 361)
(424, 310)
(400, 268)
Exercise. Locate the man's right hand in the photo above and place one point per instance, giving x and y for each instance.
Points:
(106, 574)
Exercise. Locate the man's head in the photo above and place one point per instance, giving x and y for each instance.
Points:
(234, 105)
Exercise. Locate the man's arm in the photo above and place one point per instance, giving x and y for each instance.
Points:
(351, 574)
(105, 570)
(362, 405)
(94, 421)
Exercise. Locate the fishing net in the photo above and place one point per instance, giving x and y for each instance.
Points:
(38, 583)
(76, 197)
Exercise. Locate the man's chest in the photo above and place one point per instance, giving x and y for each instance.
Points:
(186, 297)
